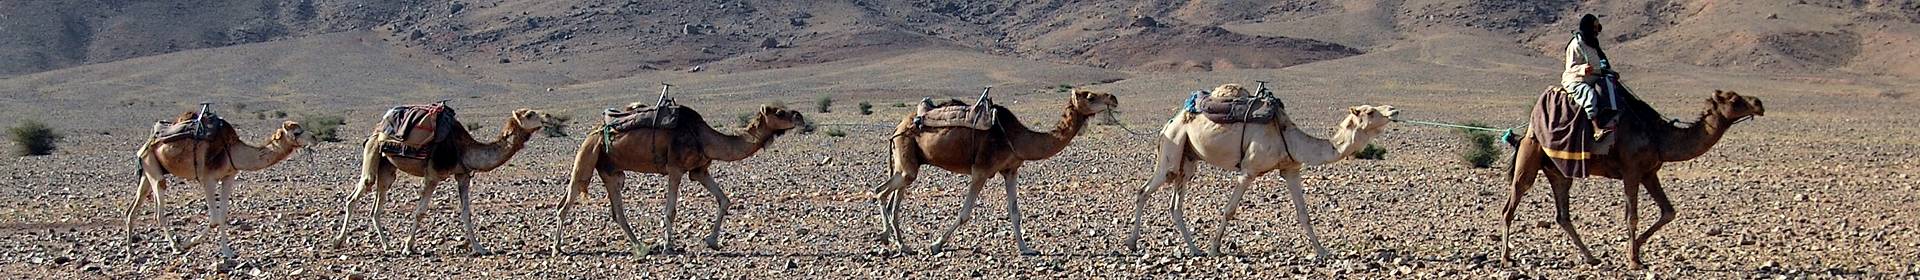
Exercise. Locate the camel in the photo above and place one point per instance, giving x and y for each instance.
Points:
(458, 157)
(687, 150)
(1645, 140)
(213, 163)
(981, 155)
(1253, 150)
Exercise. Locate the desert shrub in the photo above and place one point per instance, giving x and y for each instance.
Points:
(899, 104)
(33, 138)
(835, 132)
(1063, 88)
(1480, 151)
(742, 120)
(824, 104)
(279, 114)
(1107, 118)
(1371, 152)
(324, 127)
(866, 108)
(474, 126)
(559, 126)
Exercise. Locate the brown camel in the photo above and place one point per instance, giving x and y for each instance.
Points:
(980, 154)
(1646, 140)
(688, 149)
(459, 156)
(213, 163)
(1253, 150)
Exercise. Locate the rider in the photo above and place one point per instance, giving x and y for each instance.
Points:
(1589, 78)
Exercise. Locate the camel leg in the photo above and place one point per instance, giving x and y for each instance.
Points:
(1631, 186)
(1178, 209)
(894, 196)
(1659, 196)
(346, 211)
(1168, 167)
(1561, 188)
(1140, 206)
(1526, 168)
(1012, 180)
(719, 200)
(1298, 194)
(217, 206)
(463, 183)
(381, 185)
(420, 211)
(966, 210)
(576, 186)
(616, 182)
(160, 210)
(1227, 211)
(140, 192)
(672, 215)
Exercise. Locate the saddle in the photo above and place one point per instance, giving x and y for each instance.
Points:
(1257, 109)
(953, 113)
(638, 116)
(413, 129)
(198, 128)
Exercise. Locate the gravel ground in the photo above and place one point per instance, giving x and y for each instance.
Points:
(1760, 206)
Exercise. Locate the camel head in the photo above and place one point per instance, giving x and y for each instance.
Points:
(291, 135)
(1368, 117)
(1732, 106)
(780, 119)
(529, 121)
(1087, 103)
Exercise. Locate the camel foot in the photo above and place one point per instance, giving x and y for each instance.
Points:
(936, 248)
(183, 246)
(1590, 261)
(713, 242)
(1133, 245)
(1195, 252)
(1215, 252)
(639, 250)
(477, 250)
(1028, 252)
(226, 252)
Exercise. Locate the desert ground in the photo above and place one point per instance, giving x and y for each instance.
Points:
(1822, 186)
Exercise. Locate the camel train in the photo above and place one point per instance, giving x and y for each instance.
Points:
(1589, 126)
(1228, 127)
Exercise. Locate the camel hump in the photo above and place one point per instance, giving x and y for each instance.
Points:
(192, 125)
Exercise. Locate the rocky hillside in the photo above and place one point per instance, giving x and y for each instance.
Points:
(617, 38)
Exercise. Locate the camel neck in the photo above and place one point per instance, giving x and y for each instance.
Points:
(1033, 145)
(1681, 144)
(487, 156)
(755, 136)
(251, 158)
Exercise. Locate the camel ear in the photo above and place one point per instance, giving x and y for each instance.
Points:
(1080, 94)
(1355, 110)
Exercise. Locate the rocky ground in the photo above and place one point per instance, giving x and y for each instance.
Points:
(1753, 208)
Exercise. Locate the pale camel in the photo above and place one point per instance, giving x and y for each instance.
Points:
(1646, 140)
(458, 157)
(980, 154)
(1253, 150)
(213, 163)
(689, 149)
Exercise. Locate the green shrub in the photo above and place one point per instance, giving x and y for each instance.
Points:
(279, 114)
(900, 105)
(1371, 152)
(474, 126)
(1481, 151)
(866, 108)
(559, 126)
(835, 132)
(33, 138)
(824, 104)
(324, 127)
(743, 119)
(1108, 118)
